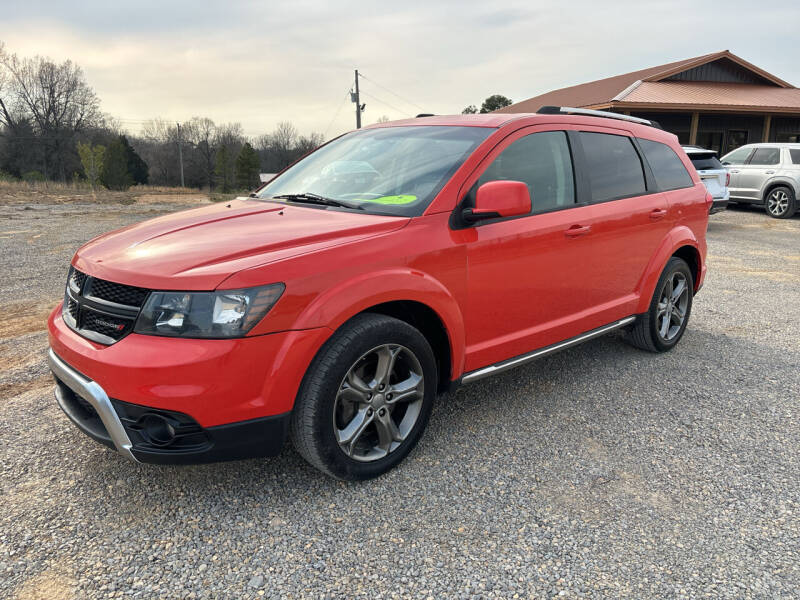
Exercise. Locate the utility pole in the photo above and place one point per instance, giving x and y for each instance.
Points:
(354, 97)
(180, 152)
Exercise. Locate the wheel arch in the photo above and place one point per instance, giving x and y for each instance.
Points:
(779, 182)
(680, 242)
(403, 293)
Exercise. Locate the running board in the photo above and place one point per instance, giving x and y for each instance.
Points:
(524, 358)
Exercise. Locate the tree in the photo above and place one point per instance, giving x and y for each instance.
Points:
(492, 103)
(137, 168)
(115, 175)
(58, 102)
(224, 169)
(248, 167)
(383, 119)
(470, 110)
(92, 161)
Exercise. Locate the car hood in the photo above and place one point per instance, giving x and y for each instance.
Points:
(198, 249)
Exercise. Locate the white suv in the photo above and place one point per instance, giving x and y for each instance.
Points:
(713, 175)
(767, 175)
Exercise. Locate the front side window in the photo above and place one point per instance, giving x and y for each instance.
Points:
(737, 157)
(391, 170)
(668, 169)
(766, 156)
(613, 166)
(543, 162)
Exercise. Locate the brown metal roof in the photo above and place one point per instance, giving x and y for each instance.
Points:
(740, 96)
(618, 89)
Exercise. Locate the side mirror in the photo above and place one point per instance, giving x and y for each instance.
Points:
(499, 199)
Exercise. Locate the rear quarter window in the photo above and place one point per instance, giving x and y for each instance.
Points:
(795, 154)
(668, 169)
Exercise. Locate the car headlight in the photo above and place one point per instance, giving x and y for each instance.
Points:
(222, 314)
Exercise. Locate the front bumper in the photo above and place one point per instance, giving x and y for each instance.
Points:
(151, 435)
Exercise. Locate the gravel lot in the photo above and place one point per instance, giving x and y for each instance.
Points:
(598, 472)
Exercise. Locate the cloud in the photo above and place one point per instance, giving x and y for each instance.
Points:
(259, 63)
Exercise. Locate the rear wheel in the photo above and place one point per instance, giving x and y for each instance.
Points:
(781, 202)
(662, 326)
(366, 398)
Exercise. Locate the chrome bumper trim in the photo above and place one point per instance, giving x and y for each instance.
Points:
(94, 395)
(519, 360)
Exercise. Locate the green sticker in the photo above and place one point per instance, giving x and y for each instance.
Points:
(401, 199)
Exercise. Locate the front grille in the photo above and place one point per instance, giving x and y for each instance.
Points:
(103, 324)
(116, 292)
(100, 310)
(72, 308)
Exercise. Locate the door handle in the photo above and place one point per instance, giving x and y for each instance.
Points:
(658, 213)
(734, 170)
(769, 172)
(577, 230)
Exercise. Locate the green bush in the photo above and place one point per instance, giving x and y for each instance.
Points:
(7, 177)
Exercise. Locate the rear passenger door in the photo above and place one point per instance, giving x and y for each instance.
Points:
(631, 221)
(762, 165)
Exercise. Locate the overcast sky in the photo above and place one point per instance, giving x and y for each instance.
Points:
(263, 62)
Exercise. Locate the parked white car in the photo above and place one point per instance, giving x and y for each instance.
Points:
(767, 175)
(713, 175)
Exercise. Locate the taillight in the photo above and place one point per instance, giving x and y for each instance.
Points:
(709, 198)
(727, 178)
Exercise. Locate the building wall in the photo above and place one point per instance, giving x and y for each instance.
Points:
(785, 129)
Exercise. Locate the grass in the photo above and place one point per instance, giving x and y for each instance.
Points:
(82, 187)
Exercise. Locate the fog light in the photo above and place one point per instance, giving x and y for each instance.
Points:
(157, 429)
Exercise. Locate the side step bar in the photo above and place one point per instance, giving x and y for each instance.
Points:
(524, 358)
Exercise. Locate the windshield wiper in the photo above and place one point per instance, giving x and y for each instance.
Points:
(310, 198)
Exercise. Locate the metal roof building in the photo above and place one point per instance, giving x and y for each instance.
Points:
(717, 101)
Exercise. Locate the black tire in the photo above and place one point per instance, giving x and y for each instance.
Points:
(313, 418)
(780, 202)
(646, 331)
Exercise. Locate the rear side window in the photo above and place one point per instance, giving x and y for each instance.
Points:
(795, 154)
(613, 166)
(705, 162)
(766, 156)
(668, 169)
(737, 157)
(542, 161)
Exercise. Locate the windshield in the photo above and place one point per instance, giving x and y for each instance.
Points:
(392, 170)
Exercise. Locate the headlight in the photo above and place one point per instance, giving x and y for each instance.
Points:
(223, 314)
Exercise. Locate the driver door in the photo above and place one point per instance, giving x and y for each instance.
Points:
(528, 276)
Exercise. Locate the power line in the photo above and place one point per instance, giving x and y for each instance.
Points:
(335, 116)
(391, 92)
(402, 112)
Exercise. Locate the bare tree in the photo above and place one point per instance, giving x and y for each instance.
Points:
(58, 101)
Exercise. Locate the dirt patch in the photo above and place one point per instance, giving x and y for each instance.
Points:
(12, 390)
(52, 584)
(24, 317)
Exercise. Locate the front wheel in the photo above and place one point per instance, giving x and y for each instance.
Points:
(781, 203)
(366, 398)
(662, 326)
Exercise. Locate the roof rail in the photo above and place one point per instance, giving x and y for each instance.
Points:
(566, 110)
(420, 115)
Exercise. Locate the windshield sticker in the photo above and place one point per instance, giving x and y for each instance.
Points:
(400, 199)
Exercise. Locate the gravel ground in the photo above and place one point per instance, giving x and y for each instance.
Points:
(598, 472)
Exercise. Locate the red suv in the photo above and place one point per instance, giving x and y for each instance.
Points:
(391, 264)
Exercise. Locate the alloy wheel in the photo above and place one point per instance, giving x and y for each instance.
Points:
(378, 402)
(778, 202)
(672, 306)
